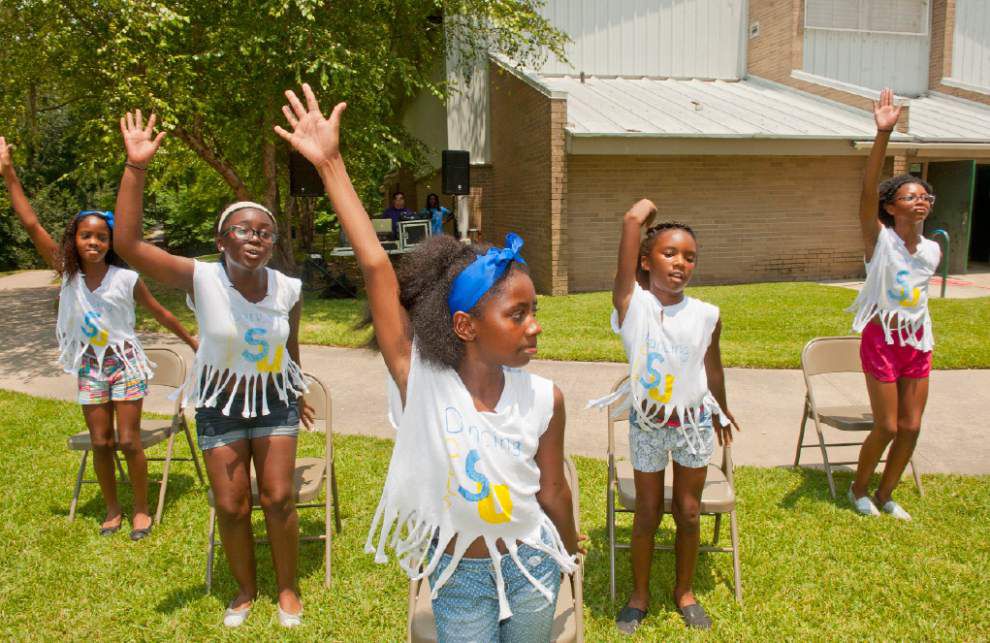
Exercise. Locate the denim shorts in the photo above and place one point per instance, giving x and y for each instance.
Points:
(466, 607)
(651, 449)
(214, 429)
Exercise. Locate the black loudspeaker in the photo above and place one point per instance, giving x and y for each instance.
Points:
(456, 172)
(304, 180)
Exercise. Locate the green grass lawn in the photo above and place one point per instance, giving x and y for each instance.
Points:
(811, 568)
(764, 325)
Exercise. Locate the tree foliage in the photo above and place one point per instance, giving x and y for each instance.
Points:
(214, 72)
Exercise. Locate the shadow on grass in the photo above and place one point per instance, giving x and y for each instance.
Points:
(814, 486)
(91, 503)
(310, 562)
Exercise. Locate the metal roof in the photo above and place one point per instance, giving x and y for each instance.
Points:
(718, 109)
(939, 118)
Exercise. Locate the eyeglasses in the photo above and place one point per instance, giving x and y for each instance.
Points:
(911, 198)
(244, 234)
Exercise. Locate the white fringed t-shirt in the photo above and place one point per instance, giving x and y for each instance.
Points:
(458, 472)
(241, 342)
(896, 290)
(99, 321)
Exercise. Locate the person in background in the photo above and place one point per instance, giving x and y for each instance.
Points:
(398, 212)
(436, 213)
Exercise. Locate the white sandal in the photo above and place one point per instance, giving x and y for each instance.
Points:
(864, 506)
(289, 620)
(895, 510)
(236, 618)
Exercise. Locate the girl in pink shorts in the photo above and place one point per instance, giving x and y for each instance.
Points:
(892, 313)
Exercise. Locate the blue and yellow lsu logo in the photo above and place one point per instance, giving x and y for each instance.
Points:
(97, 336)
(255, 337)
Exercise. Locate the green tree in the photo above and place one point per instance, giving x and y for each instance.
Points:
(214, 73)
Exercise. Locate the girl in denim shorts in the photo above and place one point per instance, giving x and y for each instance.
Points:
(475, 496)
(892, 313)
(246, 383)
(95, 331)
(675, 389)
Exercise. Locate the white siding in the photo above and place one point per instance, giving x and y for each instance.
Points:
(660, 38)
(971, 44)
(872, 60)
(467, 113)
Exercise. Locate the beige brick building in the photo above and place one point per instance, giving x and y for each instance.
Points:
(753, 127)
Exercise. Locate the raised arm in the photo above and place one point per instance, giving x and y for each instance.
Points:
(885, 113)
(143, 296)
(42, 241)
(128, 234)
(642, 213)
(318, 139)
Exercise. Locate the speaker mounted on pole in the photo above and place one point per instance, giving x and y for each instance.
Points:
(456, 172)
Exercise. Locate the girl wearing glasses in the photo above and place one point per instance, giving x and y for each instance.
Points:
(246, 382)
(95, 331)
(892, 314)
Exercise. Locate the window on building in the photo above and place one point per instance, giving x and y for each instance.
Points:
(909, 17)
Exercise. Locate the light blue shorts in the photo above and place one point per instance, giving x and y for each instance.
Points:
(650, 449)
(466, 607)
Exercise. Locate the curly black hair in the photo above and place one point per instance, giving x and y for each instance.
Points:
(888, 192)
(425, 277)
(68, 255)
(652, 234)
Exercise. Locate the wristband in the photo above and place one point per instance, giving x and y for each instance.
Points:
(885, 130)
(135, 166)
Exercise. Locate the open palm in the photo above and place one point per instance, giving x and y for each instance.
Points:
(885, 112)
(5, 159)
(139, 141)
(315, 137)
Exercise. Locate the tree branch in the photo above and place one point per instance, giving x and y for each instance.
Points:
(199, 146)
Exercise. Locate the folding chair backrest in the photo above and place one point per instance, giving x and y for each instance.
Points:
(170, 369)
(610, 411)
(319, 398)
(831, 355)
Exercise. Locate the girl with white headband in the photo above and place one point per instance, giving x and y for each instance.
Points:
(246, 382)
(475, 496)
(96, 339)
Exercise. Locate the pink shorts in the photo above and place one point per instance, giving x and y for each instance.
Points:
(890, 362)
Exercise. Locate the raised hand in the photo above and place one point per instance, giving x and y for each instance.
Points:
(315, 137)
(6, 163)
(885, 113)
(138, 140)
(644, 211)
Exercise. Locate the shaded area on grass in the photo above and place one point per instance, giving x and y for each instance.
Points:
(811, 567)
(764, 325)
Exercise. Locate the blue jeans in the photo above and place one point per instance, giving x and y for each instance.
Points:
(466, 607)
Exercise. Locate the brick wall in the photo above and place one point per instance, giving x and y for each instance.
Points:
(528, 178)
(757, 218)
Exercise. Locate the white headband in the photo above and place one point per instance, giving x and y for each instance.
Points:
(244, 205)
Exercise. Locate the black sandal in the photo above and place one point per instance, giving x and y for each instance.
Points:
(694, 616)
(109, 531)
(629, 619)
(138, 534)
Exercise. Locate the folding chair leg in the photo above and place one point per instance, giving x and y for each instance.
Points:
(828, 467)
(804, 422)
(120, 467)
(718, 524)
(917, 478)
(336, 500)
(610, 519)
(79, 480)
(163, 485)
(736, 572)
(210, 548)
(327, 531)
(192, 452)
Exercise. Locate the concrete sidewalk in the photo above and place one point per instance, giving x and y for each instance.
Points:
(767, 403)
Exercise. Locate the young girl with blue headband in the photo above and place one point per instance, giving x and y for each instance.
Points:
(475, 497)
(96, 338)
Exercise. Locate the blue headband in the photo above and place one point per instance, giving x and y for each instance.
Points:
(478, 278)
(106, 215)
